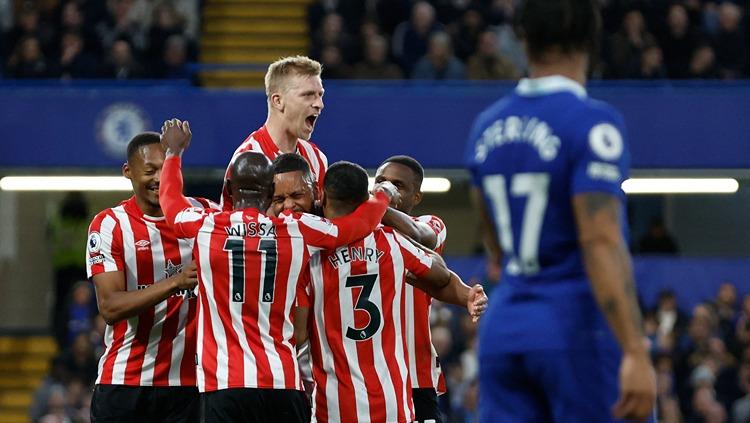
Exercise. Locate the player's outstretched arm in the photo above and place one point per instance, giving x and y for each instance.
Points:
(345, 229)
(115, 303)
(176, 137)
(610, 273)
(439, 282)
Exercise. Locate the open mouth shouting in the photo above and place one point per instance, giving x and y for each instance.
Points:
(310, 121)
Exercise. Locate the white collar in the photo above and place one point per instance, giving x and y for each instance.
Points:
(530, 87)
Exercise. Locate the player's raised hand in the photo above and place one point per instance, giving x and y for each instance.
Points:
(188, 277)
(637, 388)
(477, 303)
(176, 135)
(390, 190)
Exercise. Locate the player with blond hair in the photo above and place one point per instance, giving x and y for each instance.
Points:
(294, 91)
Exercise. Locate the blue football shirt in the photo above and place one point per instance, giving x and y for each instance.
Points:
(530, 153)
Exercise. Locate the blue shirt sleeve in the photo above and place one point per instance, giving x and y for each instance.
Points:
(601, 158)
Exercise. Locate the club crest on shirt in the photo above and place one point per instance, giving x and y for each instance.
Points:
(172, 269)
(94, 242)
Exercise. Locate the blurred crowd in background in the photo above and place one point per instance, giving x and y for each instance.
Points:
(83, 39)
(372, 39)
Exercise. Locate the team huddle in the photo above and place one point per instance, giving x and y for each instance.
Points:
(300, 280)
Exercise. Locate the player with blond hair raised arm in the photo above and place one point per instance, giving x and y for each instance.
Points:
(294, 91)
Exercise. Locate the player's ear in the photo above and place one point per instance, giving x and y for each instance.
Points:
(417, 197)
(126, 170)
(277, 102)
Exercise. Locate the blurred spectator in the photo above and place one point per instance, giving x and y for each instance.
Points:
(72, 20)
(316, 12)
(333, 64)
(67, 232)
(706, 408)
(57, 407)
(651, 65)
(466, 36)
(174, 59)
(376, 64)
(166, 23)
(626, 46)
(511, 47)
(668, 408)
(743, 322)
(29, 24)
(96, 336)
(488, 63)
(28, 61)
(58, 377)
(331, 34)
(120, 25)
(79, 359)
(741, 407)
(410, 38)
(121, 63)
(729, 42)
(657, 239)
(703, 63)
(439, 62)
(726, 310)
(668, 317)
(75, 62)
(80, 310)
(679, 42)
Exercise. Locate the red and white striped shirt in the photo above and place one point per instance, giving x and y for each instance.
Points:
(260, 141)
(358, 347)
(424, 368)
(156, 347)
(249, 268)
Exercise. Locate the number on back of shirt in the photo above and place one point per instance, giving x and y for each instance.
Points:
(524, 257)
(236, 249)
(367, 282)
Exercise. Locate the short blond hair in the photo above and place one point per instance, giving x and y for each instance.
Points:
(280, 71)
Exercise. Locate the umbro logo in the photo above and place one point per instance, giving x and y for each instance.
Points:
(142, 245)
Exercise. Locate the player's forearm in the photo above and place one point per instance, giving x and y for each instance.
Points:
(403, 223)
(611, 277)
(120, 305)
(489, 234)
(454, 292)
(361, 221)
(171, 199)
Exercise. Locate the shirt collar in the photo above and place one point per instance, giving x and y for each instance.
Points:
(131, 206)
(530, 87)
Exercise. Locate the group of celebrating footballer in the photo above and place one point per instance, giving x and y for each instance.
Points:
(305, 281)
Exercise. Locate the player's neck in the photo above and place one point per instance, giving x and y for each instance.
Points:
(571, 66)
(286, 141)
(148, 209)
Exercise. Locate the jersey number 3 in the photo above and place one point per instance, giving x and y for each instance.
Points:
(367, 282)
(535, 187)
(267, 249)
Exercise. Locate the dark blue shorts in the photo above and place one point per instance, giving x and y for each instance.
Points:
(549, 386)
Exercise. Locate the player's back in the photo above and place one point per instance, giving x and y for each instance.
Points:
(357, 337)
(250, 267)
(531, 153)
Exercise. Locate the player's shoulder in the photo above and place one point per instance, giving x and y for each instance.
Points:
(250, 143)
(108, 213)
(313, 148)
(204, 202)
(596, 111)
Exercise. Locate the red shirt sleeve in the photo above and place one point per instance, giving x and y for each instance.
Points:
(416, 260)
(104, 251)
(330, 234)
(185, 219)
